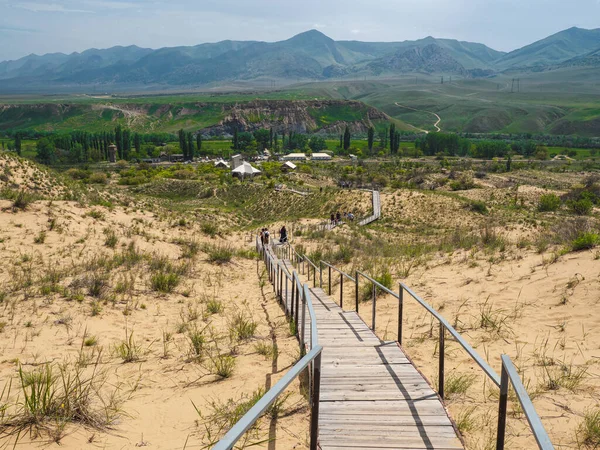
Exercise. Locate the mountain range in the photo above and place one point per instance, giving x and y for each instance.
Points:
(310, 55)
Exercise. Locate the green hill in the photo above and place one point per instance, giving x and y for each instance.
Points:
(553, 50)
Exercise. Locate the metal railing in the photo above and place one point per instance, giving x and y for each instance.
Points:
(509, 373)
(311, 361)
(343, 275)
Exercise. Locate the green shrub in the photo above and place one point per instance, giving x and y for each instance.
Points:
(585, 241)
(209, 228)
(478, 207)
(218, 254)
(548, 202)
(22, 199)
(582, 207)
(164, 282)
(98, 178)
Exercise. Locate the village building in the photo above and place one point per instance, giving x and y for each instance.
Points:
(294, 157)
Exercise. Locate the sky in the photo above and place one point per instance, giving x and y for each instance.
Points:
(39, 26)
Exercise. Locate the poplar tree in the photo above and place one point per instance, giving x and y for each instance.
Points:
(392, 137)
(18, 143)
(190, 147)
(347, 138)
(199, 141)
(370, 138)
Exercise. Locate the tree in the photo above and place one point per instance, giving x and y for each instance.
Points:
(119, 141)
(182, 143)
(271, 138)
(347, 138)
(317, 144)
(263, 138)
(392, 137)
(126, 144)
(245, 141)
(199, 142)
(137, 143)
(190, 147)
(276, 142)
(370, 138)
(235, 145)
(46, 152)
(396, 146)
(18, 143)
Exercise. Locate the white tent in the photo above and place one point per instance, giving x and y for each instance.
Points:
(245, 170)
(221, 163)
(288, 166)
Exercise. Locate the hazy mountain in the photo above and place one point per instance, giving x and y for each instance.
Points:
(309, 55)
(431, 58)
(553, 50)
(591, 59)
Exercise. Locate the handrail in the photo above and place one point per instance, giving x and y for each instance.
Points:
(314, 336)
(510, 374)
(464, 344)
(310, 361)
(325, 263)
(381, 286)
(250, 418)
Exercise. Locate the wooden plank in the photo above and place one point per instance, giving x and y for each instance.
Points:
(372, 397)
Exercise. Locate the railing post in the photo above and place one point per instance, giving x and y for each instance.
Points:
(302, 343)
(308, 267)
(314, 276)
(341, 291)
(502, 407)
(356, 290)
(441, 365)
(329, 278)
(297, 307)
(320, 275)
(293, 295)
(374, 306)
(287, 310)
(316, 394)
(400, 313)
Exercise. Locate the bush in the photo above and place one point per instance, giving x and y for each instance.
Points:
(218, 254)
(581, 207)
(164, 282)
(98, 178)
(548, 202)
(22, 200)
(462, 184)
(478, 207)
(585, 241)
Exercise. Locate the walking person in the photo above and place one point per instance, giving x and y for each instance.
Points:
(266, 236)
(262, 236)
(283, 237)
(332, 219)
(338, 218)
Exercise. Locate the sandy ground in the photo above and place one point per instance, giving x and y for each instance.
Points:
(158, 392)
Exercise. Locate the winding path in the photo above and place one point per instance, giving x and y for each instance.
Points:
(436, 125)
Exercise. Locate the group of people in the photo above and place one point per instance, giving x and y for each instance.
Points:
(336, 218)
(265, 236)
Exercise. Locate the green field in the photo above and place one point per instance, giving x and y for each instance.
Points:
(547, 102)
(556, 102)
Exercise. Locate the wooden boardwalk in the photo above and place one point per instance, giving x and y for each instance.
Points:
(372, 397)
